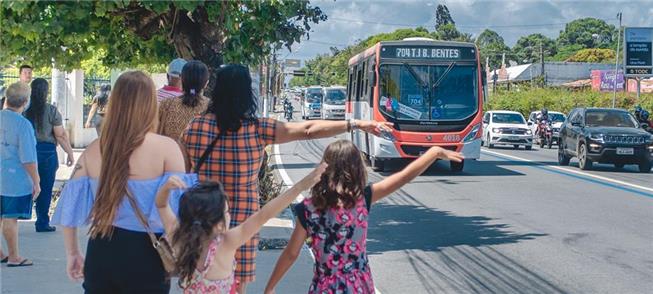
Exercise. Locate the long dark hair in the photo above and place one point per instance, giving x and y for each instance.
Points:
(201, 208)
(38, 99)
(102, 94)
(344, 179)
(232, 99)
(194, 76)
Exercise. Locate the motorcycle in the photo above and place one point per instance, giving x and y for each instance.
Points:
(545, 134)
(287, 110)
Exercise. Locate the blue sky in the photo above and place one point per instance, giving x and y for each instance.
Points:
(350, 21)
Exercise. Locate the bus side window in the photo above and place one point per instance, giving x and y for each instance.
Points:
(365, 81)
(359, 82)
(350, 83)
(371, 77)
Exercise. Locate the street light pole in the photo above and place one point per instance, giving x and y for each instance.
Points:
(616, 64)
(542, 61)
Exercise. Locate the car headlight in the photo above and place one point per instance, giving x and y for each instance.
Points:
(596, 137)
(650, 139)
(529, 132)
(472, 134)
(495, 130)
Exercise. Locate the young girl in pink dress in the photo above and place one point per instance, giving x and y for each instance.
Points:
(335, 219)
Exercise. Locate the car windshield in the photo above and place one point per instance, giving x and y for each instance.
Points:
(609, 118)
(556, 117)
(507, 118)
(412, 92)
(335, 97)
(314, 95)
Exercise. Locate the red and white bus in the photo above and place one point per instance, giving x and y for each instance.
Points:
(433, 92)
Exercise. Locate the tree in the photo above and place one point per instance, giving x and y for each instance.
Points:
(588, 33)
(594, 55)
(527, 49)
(137, 32)
(442, 17)
(492, 47)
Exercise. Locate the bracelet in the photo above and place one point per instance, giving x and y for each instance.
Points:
(349, 125)
(354, 125)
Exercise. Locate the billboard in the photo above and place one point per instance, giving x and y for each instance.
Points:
(604, 80)
(638, 52)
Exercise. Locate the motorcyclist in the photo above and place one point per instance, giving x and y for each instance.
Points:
(287, 109)
(644, 121)
(543, 116)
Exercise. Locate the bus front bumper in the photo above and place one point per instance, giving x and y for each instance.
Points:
(387, 149)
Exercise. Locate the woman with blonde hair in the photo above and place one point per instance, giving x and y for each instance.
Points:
(114, 183)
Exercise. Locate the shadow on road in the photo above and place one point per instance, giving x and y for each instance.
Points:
(463, 261)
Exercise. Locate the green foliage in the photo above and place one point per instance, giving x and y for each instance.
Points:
(149, 32)
(588, 33)
(594, 55)
(560, 99)
(527, 49)
(442, 17)
(492, 46)
(331, 69)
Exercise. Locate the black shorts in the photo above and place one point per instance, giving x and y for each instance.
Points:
(125, 263)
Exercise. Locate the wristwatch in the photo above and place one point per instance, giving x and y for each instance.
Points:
(351, 125)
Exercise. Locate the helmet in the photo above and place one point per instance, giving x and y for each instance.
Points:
(644, 115)
(545, 111)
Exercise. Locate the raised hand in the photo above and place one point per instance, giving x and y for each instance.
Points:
(441, 153)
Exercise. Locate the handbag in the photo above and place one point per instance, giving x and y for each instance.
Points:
(161, 245)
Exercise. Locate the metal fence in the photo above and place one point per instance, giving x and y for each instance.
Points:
(91, 84)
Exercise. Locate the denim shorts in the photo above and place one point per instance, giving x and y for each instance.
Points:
(19, 207)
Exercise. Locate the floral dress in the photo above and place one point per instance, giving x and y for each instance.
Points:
(338, 241)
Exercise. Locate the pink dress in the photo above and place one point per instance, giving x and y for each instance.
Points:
(201, 285)
(338, 241)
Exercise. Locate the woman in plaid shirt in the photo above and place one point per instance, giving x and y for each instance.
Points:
(240, 140)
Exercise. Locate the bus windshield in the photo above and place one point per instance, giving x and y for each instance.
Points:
(335, 97)
(314, 95)
(428, 92)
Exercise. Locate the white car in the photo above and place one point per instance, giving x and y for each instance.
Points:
(557, 119)
(333, 102)
(506, 128)
(311, 104)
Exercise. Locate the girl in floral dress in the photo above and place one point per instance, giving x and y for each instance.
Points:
(335, 219)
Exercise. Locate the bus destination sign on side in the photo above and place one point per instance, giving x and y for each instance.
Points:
(427, 52)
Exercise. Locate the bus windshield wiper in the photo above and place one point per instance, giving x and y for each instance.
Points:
(415, 75)
(446, 72)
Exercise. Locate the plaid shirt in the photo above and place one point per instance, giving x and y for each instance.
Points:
(235, 162)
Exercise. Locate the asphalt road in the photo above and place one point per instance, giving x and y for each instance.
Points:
(512, 222)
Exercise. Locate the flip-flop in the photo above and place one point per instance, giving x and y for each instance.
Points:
(25, 262)
(5, 260)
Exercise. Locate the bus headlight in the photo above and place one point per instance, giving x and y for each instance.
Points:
(472, 134)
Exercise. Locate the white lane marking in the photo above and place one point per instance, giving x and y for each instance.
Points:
(288, 182)
(575, 172)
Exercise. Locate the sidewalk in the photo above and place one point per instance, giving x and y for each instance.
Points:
(46, 250)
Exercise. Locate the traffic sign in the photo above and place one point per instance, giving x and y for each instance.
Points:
(292, 63)
(298, 73)
(638, 52)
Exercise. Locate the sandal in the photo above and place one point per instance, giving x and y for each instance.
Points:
(25, 262)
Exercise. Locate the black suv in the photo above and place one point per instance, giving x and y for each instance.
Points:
(605, 135)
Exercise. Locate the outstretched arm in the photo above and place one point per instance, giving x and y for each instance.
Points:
(287, 258)
(293, 131)
(416, 168)
(237, 236)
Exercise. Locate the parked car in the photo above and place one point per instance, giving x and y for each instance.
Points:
(333, 102)
(605, 135)
(506, 128)
(556, 118)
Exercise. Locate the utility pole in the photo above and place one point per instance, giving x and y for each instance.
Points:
(542, 62)
(616, 63)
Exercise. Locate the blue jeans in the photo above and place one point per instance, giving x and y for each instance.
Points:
(48, 163)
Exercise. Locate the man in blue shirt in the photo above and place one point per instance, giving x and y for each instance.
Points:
(19, 178)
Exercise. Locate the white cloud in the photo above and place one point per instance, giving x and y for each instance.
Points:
(350, 21)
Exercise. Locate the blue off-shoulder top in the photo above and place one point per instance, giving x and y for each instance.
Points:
(78, 196)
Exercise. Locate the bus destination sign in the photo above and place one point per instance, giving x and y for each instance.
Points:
(427, 52)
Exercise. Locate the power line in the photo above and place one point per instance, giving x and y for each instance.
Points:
(457, 25)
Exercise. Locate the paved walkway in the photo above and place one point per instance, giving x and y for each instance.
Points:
(48, 273)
